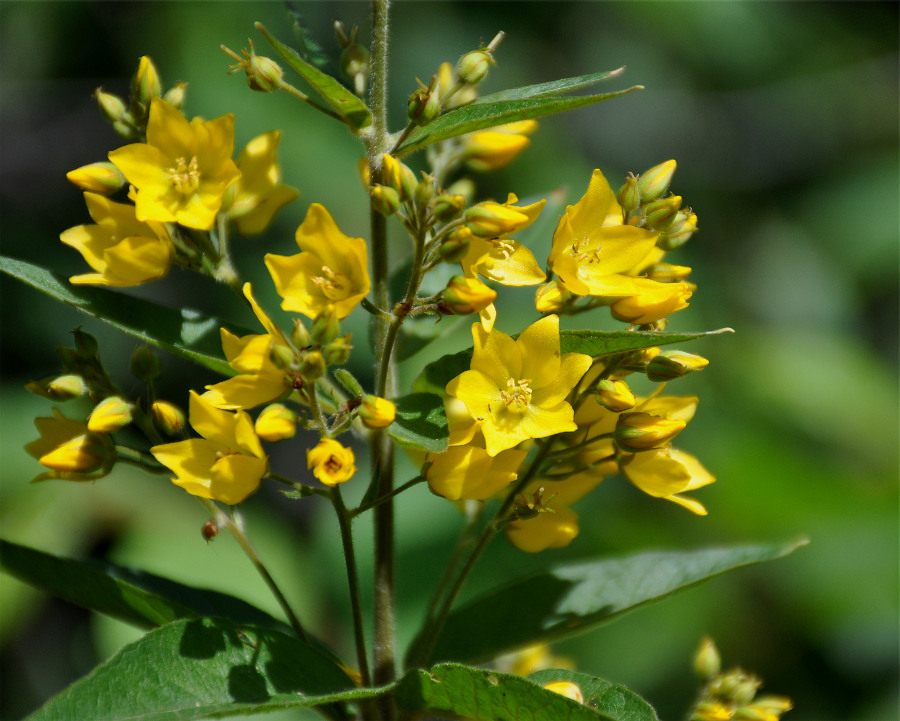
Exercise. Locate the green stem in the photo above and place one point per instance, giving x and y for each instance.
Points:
(344, 519)
(382, 499)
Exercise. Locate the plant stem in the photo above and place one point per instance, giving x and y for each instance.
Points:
(344, 519)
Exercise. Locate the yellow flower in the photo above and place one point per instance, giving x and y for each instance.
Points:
(653, 301)
(258, 193)
(667, 472)
(447, 81)
(226, 464)
(277, 422)
(517, 389)
(123, 250)
(330, 270)
(593, 249)
(469, 472)
(331, 462)
(109, 416)
(69, 450)
(102, 178)
(496, 148)
(469, 295)
(377, 412)
(183, 170)
(259, 380)
(559, 526)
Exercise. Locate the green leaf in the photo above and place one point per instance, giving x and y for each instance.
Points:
(420, 422)
(608, 698)
(132, 596)
(435, 376)
(473, 693)
(186, 333)
(353, 110)
(571, 599)
(532, 101)
(201, 668)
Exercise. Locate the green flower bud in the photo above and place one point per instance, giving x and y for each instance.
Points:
(337, 352)
(671, 364)
(325, 326)
(175, 95)
(552, 297)
(424, 190)
(377, 412)
(263, 74)
(473, 67)
(112, 106)
(456, 245)
(312, 366)
(655, 182)
(446, 206)
(282, 356)
(424, 104)
(354, 60)
(85, 344)
(737, 687)
(467, 295)
(707, 662)
(667, 272)
(146, 83)
(109, 416)
(614, 395)
(629, 195)
(82, 454)
(637, 431)
(300, 336)
(145, 364)
(385, 199)
(659, 213)
(399, 177)
(680, 230)
(66, 387)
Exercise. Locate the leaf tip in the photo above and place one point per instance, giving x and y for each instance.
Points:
(617, 72)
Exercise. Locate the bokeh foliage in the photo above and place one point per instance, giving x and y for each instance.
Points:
(783, 118)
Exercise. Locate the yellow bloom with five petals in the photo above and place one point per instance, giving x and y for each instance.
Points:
(183, 170)
(469, 472)
(121, 249)
(516, 389)
(226, 464)
(69, 450)
(332, 268)
(331, 462)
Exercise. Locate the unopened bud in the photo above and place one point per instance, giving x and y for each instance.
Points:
(424, 105)
(424, 189)
(775, 705)
(300, 336)
(637, 432)
(85, 344)
(668, 272)
(446, 206)
(354, 60)
(109, 416)
(707, 662)
(169, 417)
(337, 352)
(467, 295)
(209, 530)
(738, 687)
(377, 412)
(175, 95)
(679, 231)
(659, 213)
(281, 356)
(103, 178)
(112, 106)
(629, 195)
(385, 199)
(491, 220)
(456, 245)
(325, 326)
(491, 150)
(263, 74)
(567, 689)
(473, 66)
(614, 395)
(145, 364)
(67, 387)
(672, 364)
(82, 454)
(276, 422)
(655, 182)
(312, 366)
(552, 297)
(400, 177)
(146, 83)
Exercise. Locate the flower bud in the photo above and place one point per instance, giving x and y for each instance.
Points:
(300, 336)
(276, 422)
(490, 150)
(331, 462)
(85, 344)
(424, 190)
(169, 417)
(446, 206)
(465, 187)
(637, 431)
(376, 412)
(146, 83)
(112, 106)
(658, 213)
(263, 74)
(567, 689)
(679, 231)
(312, 366)
(175, 95)
(654, 183)
(467, 295)
(552, 297)
(473, 66)
(775, 705)
(282, 356)
(67, 387)
(751, 713)
(354, 60)
(337, 352)
(209, 530)
(710, 711)
(145, 364)
(668, 272)
(653, 302)
(400, 177)
(109, 416)
(385, 199)
(103, 178)
(672, 364)
(614, 395)
(629, 195)
(424, 104)
(707, 662)
(325, 326)
(456, 245)
(737, 687)
(82, 454)
(491, 220)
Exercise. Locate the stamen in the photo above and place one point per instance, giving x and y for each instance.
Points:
(517, 395)
(185, 176)
(332, 283)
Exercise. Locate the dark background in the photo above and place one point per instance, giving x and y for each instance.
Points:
(784, 120)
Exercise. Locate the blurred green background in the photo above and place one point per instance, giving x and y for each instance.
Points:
(784, 120)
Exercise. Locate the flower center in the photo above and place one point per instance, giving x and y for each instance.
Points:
(503, 246)
(333, 465)
(333, 284)
(582, 254)
(517, 395)
(185, 176)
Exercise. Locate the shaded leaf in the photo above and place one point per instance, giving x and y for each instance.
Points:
(420, 422)
(310, 50)
(436, 375)
(186, 333)
(571, 599)
(611, 699)
(343, 101)
(474, 693)
(201, 668)
(554, 87)
(507, 107)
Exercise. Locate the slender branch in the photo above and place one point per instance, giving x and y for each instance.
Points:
(382, 499)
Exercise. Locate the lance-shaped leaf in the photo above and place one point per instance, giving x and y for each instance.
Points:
(435, 376)
(453, 690)
(571, 599)
(351, 109)
(533, 101)
(202, 668)
(186, 333)
(420, 422)
(608, 698)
